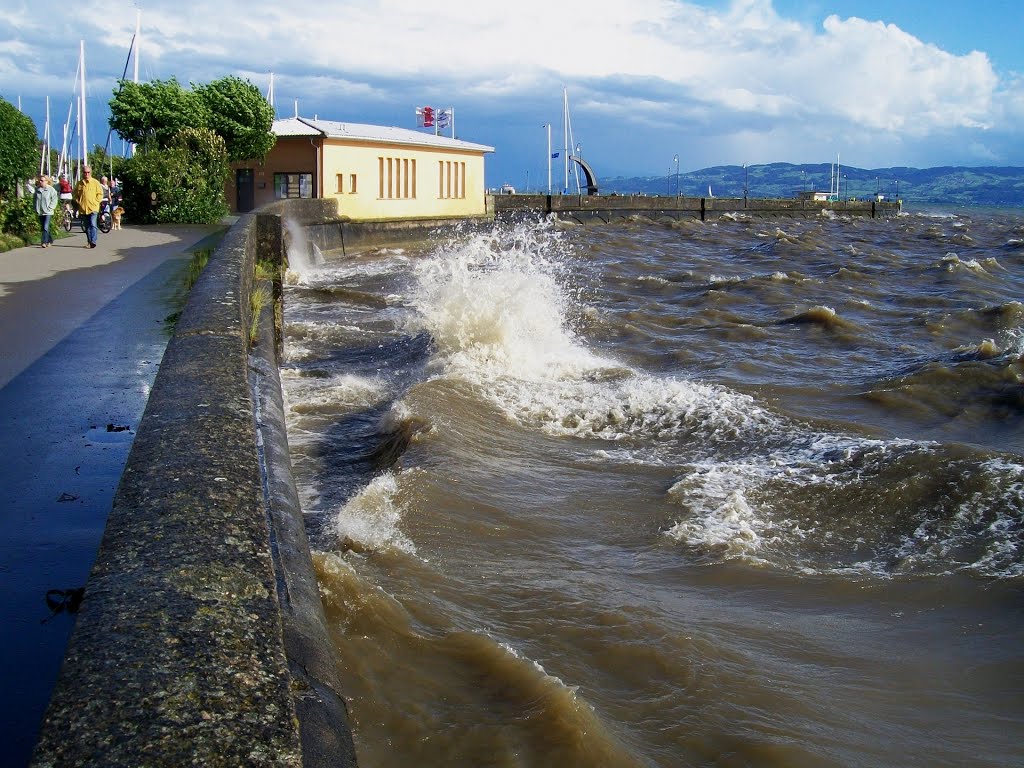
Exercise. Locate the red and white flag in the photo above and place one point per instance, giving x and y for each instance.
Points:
(425, 117)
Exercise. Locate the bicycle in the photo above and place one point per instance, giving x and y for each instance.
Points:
(104, 220)
(67, 215)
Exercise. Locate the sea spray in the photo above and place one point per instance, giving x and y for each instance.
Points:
(371, 519)
(303, 255)
(497, 309)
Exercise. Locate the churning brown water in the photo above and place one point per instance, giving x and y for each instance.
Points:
(747, 493)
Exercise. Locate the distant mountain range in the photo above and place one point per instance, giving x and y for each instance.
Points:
(992, 186)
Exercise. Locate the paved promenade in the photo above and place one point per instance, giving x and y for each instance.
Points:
(82, 333)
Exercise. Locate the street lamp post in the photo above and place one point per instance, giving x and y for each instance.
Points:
(675, 159)
(548, 126)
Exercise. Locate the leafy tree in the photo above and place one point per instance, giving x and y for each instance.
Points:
(183, 182)
(104, 164)
(19, 148)
(186, 141)
(240, 114)
(152, 113)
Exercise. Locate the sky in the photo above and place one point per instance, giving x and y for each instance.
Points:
(917, 83)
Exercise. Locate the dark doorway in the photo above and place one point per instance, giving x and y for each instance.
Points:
(244, 185)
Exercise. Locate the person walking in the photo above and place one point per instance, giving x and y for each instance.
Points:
(46, 203)
(88, 197)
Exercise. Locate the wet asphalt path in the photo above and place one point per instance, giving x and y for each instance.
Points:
(82, 332)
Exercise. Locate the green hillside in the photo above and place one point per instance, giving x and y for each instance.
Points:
(947, 185)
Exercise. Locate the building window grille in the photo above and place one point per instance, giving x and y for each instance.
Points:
(451, 180)
(397, 178)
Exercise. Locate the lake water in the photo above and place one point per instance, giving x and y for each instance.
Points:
(744, 493)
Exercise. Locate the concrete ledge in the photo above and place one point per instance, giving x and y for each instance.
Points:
(201, 639)
(330, 232)
(322, 714)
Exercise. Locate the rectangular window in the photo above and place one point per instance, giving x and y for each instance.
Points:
(352, 184)
(341, 183)
(451, 180)
(293, 185)
(397, 178)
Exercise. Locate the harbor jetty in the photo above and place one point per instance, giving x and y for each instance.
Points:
(598, 209)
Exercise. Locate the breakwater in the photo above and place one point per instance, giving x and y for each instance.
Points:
(595, 209)
(201, 638)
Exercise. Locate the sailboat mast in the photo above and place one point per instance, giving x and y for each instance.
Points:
(135, 44)
(65, 150)
(133, 54)
(81, 108)
(565, 137)
(46, 139)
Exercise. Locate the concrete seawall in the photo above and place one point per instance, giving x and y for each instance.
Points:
(201, 639)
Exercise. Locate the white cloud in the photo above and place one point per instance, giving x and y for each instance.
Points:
(742, 74)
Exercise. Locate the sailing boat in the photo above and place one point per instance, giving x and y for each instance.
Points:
(567, 144)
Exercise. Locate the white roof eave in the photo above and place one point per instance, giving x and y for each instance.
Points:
(361, 132)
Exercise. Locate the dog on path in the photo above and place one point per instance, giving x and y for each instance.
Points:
(116, 216)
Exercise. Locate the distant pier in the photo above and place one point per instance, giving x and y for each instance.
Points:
(596, 209)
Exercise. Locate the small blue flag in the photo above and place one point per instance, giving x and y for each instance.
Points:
(554, 155)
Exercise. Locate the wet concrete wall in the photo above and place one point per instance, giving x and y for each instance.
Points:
(323, 227)
(201, 639)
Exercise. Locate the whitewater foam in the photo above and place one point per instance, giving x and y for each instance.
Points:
(371, 519)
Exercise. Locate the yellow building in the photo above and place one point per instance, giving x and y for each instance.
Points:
(373, 172)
